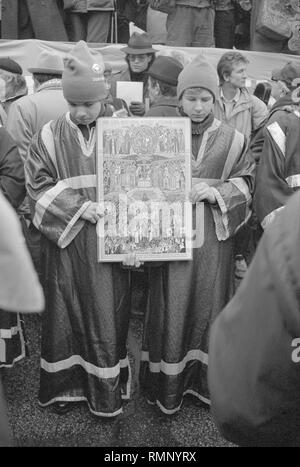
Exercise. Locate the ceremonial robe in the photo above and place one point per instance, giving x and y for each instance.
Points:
(83, 355)
(185, 297)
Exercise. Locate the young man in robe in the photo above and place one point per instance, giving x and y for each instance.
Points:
(83, 356)
(185, 297)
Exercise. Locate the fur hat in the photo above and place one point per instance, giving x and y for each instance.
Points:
(198, 74)
(83, 76)
(166, 69)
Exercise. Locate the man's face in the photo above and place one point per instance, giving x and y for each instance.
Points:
(84, 114)
(197, 103)
(139, 62)
(238, 76)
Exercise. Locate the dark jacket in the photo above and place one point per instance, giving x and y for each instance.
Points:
(12, 179)
(164, 107)
(284, 104)
(254, 351)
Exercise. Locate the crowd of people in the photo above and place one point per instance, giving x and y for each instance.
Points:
(244, 159)
(240, 24)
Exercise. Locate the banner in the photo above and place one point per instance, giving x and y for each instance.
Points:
(25, 53)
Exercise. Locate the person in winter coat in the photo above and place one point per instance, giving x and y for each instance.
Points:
(139, 57)
(88, 20)
(278, 172)
(283, 86)
(20, 290)
(12, 186)
(27, 116)
(12, 85)
(234, 104)
(162, 84)
(254, 348)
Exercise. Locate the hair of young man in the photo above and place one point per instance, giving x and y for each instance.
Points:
(166, 89)
(227, 62)
(42, 78)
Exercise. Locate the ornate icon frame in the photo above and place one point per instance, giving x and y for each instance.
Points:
(143, 182)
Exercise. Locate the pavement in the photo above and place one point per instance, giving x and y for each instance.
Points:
(140, 425)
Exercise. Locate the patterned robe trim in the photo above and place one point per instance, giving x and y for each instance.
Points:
(270, 217)
(173, 369)
(8, 334)
(278, 136)
(215, 125)
(87, 147)
(293, 181)
(49, 199)
(102, 373)
(47, 138)
(235, 149)
(226, 227)
(81, 181)
(67, 235)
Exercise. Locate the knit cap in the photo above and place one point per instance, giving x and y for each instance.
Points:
(166, 69)
(198, 74)
(83, 79)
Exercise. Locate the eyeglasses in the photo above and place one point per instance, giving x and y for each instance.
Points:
(139, 57)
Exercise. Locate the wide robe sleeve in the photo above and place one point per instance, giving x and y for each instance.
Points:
(12, 179)
(254, 348)
(56, 207)
(234, 192)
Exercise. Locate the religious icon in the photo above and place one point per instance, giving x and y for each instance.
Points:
(143, 179)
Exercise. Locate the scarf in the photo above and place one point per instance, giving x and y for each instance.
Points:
(199, 128)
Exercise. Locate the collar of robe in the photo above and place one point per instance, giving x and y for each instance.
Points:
(199, 128)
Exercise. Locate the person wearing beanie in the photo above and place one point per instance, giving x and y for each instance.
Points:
(84, 330)
(185, 297)
(139, 57)
(162, 83)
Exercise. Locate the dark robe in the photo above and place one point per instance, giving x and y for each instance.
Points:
(83, 355)
(185, 297)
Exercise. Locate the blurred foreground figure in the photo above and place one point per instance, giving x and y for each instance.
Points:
(254, 352)
(20, 290)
